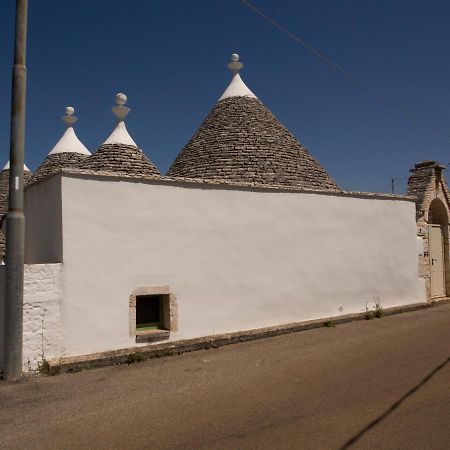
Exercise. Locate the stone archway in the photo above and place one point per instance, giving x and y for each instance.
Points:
(437, 213)
(428, 186)
(438, 244)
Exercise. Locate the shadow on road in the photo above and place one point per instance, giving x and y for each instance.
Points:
(389, 411)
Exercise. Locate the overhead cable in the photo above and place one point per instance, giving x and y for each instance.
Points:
(405, 111)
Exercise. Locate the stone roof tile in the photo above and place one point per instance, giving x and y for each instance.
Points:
(241, 140)
(119, 153)
(121, 159)
(55, 161)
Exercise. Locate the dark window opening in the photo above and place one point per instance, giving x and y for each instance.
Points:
(149, 314)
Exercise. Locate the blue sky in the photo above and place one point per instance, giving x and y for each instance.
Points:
(170, 58)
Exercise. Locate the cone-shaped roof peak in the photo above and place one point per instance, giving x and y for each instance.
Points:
(69, 142)
(236, 88)
(68, 152)
(120, 133)
(242, 141)
(6, 167)
(119, 153)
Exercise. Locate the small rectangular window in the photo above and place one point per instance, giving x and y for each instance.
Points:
(149, 313)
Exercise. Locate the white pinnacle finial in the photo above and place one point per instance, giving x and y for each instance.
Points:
(6, 167)
(235, 65)
(69, 119)
(237, 87)
(121, 111)
(120, 134)
(121, 99)
(69, 143)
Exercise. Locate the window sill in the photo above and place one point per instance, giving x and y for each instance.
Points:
(152, 335)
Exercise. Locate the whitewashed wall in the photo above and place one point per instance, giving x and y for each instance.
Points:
(42, 302)
(235, 258)
(43, 228)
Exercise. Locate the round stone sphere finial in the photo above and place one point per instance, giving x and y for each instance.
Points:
(121, 99)
(235, 65)
(69, 119)
(121, 111)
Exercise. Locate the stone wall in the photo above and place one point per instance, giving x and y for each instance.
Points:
(42, 330)
(427, 183)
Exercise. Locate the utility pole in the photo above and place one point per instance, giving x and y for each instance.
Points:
(15, 220)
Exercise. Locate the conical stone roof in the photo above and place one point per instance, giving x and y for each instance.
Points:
(242, 141)
(68, 152)
(119, 153)
(57, 161)
(122, 159)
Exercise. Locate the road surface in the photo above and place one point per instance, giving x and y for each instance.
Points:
(379, 384)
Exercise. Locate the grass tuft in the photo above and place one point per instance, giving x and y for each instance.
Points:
(43, 367)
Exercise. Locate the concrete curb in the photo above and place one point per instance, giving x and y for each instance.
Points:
(138, 354)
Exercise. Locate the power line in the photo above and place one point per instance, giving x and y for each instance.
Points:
(405, 111)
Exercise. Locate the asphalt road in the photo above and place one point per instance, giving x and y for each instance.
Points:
(380, 384)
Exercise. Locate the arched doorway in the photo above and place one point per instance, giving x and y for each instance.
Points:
(438, 248)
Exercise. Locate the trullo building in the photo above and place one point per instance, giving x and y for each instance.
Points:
(246, 231)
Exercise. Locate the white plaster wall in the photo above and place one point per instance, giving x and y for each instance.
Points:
(43, 224)
(235, 259)
(42, 335)
(42, 304)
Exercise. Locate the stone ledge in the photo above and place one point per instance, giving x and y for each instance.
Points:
(138, 354)
(152, 335)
